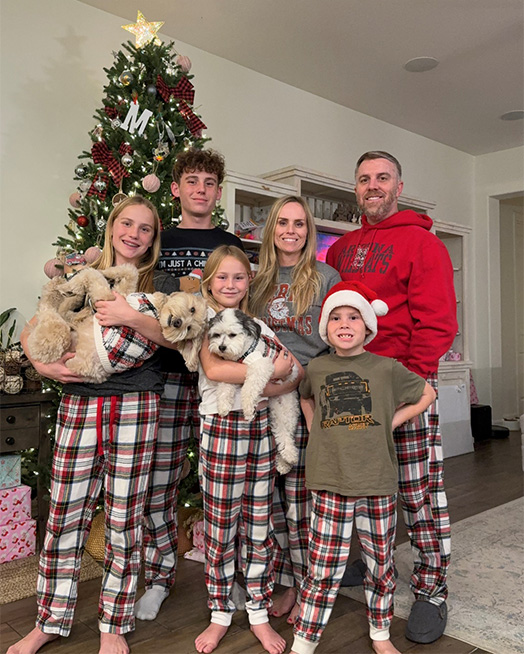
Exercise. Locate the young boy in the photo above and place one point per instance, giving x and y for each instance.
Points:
(352, 400)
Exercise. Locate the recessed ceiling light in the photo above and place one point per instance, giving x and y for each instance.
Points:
(421, 64)
(518, 114)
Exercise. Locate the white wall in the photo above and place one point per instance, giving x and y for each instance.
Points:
(497, 175)
(52, 85)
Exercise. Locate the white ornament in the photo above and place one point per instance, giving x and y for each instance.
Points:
(132, 121)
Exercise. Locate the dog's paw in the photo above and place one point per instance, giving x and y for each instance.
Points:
(283, 467)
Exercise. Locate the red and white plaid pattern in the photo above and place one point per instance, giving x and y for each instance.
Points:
(238, 474)
(78, 473)
(423, 500)
(291, 512)
(179, 418)
(119, 347)
(332, 518)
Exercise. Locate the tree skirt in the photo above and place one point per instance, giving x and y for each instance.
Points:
(18, 578)
(486, 580)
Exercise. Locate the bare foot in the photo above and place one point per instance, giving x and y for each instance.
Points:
(271, 641)
(384, 647)
(31, 643)
(113, 644)
(282, 604)
(292, 617)
(210, 637)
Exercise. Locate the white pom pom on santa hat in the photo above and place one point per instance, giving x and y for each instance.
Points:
(358, 296)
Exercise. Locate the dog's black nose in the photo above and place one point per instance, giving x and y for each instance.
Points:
(222, 348)
(177, 323)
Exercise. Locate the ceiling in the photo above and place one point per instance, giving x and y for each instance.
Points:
(353, 51)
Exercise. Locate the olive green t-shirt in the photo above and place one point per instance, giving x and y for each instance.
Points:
(350, 449)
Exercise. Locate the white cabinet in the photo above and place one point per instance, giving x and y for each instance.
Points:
(454, 408)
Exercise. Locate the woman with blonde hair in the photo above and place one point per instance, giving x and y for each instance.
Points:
(105, 436)
(287, 294)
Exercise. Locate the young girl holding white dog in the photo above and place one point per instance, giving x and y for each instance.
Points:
(238, 468)
(105, 435)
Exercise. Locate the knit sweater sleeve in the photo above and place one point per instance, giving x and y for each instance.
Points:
(432, 304)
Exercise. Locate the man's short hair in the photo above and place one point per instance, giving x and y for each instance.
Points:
(208, 161)
(379, 154)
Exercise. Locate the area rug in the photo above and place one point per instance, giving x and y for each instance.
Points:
(486, 580)
(18, 578)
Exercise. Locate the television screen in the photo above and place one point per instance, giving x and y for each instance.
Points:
(324, 241)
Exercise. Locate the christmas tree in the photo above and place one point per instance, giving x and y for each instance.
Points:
(145, 121)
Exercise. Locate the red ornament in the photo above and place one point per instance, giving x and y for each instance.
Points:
(82, 221)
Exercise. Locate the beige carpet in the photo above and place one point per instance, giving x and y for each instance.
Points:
(486, 580)
(18, 578)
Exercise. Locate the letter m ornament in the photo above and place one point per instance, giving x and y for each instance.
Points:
(132, 121)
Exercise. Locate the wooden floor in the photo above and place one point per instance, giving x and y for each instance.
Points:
(489, 477)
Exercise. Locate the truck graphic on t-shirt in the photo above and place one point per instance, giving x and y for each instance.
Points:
(345, 392)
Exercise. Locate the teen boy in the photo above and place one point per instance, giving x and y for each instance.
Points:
(197, 176)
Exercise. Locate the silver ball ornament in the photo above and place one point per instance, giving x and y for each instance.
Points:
(151, 89)
(116, 122)
(81, 170)
(100, 185)
(127, 160)
(126, 77)
(85, 185)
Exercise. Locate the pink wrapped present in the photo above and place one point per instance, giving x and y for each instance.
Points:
(198, 535)
(10, 470)
(17, 540)
(15, 504)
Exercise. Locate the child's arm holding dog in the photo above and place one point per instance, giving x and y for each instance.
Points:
(118, 313)
(231, 372)
(408, 411)
(56, 370)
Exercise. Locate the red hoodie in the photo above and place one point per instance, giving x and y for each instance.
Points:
(410, 269)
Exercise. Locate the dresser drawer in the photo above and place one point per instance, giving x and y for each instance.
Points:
(13, 440)
(19, 417)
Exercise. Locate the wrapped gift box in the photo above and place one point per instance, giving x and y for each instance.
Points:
(15, 505)
(17, 540)
(9, 470)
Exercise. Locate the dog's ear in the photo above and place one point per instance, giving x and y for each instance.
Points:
(249, 325)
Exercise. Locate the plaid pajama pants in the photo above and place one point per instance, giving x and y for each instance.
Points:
(291, 514)
(423, 500)
(238, 475)
(179, 418)
(332, 518)
(99, 440)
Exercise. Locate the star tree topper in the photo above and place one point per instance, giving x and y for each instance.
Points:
(143, 30)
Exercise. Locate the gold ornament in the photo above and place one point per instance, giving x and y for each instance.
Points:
(144, 31)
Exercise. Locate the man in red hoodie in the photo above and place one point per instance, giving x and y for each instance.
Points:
(396, 255)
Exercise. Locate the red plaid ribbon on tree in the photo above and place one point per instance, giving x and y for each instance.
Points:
(103, 155)
(193, 122)
(111, 112)
(125, 148)
(184, 90)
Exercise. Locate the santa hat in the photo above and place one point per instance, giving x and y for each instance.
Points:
(358, 296)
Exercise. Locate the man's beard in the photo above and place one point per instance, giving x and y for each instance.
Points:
(380, 211)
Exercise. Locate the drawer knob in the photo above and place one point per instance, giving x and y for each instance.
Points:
(11, 420)
(10, 440)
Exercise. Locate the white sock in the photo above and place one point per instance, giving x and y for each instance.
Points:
(149, 604)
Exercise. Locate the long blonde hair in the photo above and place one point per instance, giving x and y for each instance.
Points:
(149, 260)
(306, 280)
(212, 265)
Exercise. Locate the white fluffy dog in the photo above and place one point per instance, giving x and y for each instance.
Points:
(236, 337)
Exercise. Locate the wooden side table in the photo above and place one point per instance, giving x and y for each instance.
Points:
(23, 425)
